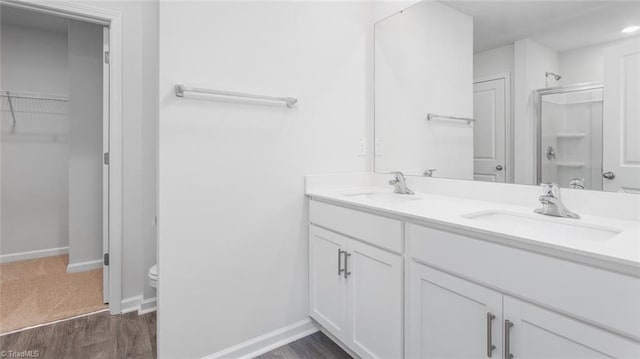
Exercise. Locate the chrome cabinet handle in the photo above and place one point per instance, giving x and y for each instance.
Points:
(499, 167)
(507, 339)
(490, 346)
(340, 269)
(609, 175)
(346, 265)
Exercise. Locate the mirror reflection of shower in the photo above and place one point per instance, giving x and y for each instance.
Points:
(554, 75)
(570, 136)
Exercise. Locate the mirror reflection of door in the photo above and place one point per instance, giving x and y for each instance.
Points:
(621, 130)
(490, 105)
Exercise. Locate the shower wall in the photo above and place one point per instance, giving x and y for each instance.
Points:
(572, 138)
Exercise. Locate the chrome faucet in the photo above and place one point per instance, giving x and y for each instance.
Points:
(399, 183)
(552, 204)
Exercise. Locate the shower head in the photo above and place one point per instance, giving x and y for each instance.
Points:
(556, 76)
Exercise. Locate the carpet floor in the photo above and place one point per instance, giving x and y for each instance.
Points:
(38, 291)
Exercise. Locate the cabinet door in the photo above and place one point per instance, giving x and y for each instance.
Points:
(540, 333)
(451, 317)
(375, 301)
(327, 283)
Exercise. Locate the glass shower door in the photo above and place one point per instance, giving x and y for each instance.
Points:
(570, 142)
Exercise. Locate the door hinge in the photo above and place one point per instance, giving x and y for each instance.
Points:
(106, 57)
(106, 158)
(106, 259)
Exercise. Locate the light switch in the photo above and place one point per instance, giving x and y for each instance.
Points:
(362, 147)
(378, 147)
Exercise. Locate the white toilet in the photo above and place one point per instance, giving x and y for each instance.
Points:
(153, 276)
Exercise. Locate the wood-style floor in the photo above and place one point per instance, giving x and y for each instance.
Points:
(103, 336)
(99, 336)
(314, 346)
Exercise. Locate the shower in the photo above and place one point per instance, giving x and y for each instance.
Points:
(555, 76)
(569, 136)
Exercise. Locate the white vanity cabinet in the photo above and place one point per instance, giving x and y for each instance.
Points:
(356, 287)
(389, 287)
(450, 317)
(541, 333)
(456, 318)
(451, 313)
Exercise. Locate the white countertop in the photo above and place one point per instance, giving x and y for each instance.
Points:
(620, 252)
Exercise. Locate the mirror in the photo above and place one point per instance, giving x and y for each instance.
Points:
(511, 91)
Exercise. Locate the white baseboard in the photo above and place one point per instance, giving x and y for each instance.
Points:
(22, 256)
(131, 304)
(267, 342)
(148, 305)
(137, 303)
(84, 266)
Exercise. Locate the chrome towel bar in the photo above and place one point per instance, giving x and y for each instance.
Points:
(431, 116)
(181, 89)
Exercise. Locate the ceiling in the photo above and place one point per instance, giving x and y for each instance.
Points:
(559, 25)
(34, 20)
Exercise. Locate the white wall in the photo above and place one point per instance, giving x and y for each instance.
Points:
(233, 221)
(532, 60)
(139, 115)
(493, 62)
(34, 159)
(585, 64)
(85, 143)
(150, 103)
(424, 64)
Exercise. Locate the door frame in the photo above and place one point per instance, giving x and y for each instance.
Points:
(538, 115)
(113, 20)
(508, 141)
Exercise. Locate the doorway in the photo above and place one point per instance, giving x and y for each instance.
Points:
(57, 136)
(491, 110)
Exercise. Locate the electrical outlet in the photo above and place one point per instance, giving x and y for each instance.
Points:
(362, 147)
(378, 147)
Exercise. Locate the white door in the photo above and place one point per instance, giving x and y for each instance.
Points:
(327, 282)
(452, 318)
(489, 130)
(105, 167)
(375, 301)
(539, 333)
(621, 121)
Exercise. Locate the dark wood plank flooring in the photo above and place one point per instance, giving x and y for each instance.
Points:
(314, 346)
(95, 336)
(103, 336)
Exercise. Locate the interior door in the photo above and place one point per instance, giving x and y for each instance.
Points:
(621, 122)
(451, 317)
(489, 130)
(375, 301)
(327, 282)
(539, 333)
(105, 167)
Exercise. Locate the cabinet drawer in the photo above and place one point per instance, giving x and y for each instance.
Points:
(377, 230)
(595, 295)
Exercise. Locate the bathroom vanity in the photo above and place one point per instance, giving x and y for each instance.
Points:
(427, 275)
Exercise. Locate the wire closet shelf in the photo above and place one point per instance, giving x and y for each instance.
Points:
(18, 106)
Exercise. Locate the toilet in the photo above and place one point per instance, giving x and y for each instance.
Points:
(153, 276)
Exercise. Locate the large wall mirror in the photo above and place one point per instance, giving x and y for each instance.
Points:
(511, 91)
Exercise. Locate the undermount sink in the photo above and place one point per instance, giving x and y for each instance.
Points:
(383, 197)
(540, 226)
